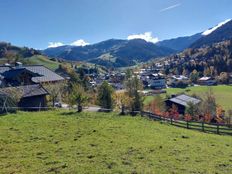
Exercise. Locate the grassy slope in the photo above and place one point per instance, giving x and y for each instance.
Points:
(106, 143)
(222, 93)
(41, 60)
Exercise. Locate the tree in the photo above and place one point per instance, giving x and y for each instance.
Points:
(229, 117)
(55, 91)
(128, 74)
(122, 100)
(219, 114)
(224, 78)
(207, 71)
(9, 99)
(133, 85)
(173, 112)
(194, 76)
(209, 105)
(187, 117)
(157, 106)
(78, 96)
(192, 110)
(105, 99)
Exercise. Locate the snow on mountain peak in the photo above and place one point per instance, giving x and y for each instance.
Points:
(209, 31)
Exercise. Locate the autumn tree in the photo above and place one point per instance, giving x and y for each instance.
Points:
(157, 105)
(229, 117)
(194, 76)
(224, 78)
(55, 91)
(219, 114)
(192, 110)
(208, 106)
(187, 117)
(173, 112)
(9, 99)
(122, 100)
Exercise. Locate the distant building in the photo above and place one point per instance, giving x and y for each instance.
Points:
(181, 102)
(178, 81)
(207, 81)
(153, 81)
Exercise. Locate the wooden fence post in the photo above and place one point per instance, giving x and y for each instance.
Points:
(187, 124)
(218, 129)
(171, 120)
(203, 126)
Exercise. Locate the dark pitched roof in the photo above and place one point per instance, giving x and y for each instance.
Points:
(27, 91)
(47, 75)
(184, 100)
(4, 69)
(14, 72)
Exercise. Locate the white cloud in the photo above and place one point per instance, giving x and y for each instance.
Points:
(79, 42)
(55, 44)
(209, 31)
(170, 7)
(147, 36)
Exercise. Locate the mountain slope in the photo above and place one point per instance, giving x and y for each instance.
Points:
(221, 33)
(112, 52)
(180, 43)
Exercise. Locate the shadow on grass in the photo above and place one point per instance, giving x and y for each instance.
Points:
(69, 113)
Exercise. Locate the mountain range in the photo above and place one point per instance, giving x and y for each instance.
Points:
(120, 53)
(112, 52)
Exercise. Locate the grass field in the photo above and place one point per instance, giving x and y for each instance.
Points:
(223, 94)
(64, 142)
(41, 60)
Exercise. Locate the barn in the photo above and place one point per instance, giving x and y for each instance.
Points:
(30, 97)
(181, 102)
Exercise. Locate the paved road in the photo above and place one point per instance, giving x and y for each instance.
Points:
(92, 108)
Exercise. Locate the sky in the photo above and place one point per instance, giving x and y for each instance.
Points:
(48, 23)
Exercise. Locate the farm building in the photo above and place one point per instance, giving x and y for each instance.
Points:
(181, 102)
(30, 97)
(25, 83)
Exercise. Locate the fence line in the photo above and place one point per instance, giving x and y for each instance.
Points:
(200, 126)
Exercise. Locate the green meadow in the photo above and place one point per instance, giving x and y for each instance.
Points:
(41, 60)
(70, 142)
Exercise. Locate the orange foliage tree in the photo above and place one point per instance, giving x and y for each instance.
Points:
(207, 117)
(219, 114)
(173, 112)
(157, 106)
(187, 117)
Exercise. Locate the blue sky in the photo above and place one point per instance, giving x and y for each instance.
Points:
(35, 23)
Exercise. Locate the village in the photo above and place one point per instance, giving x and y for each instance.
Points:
(36, 87)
